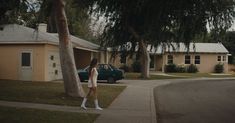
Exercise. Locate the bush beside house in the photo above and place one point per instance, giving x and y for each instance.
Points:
(172, 68)
(136, 66)
(219, 68)
(125, 68)
(192, 68)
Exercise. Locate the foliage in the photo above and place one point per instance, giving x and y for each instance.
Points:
(219, 68)
(161, 22)
(192, 68)
(136, 66)
(180, 69)
(229, 43)
(28, 13)
(125, 68)
(19, 11)
(183, 19)
(170, 68)
(173, 68)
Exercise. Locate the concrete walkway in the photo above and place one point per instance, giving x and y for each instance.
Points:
(134, 105)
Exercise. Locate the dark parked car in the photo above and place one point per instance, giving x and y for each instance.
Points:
(106, 72)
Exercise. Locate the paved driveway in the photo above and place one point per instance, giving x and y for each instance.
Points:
(198, 101)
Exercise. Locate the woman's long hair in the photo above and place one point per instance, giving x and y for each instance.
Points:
(92, 65)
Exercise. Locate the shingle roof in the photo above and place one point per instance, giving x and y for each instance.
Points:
(13, 33)
(18, 34)
(80, 42)
(193, 48)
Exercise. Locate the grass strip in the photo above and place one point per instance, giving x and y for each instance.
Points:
(23, 115)
(53, 93)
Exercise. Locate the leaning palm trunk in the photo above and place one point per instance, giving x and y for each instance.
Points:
(72, 84)
(145, 60)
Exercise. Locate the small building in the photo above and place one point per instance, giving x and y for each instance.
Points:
(204, 55)
(27, 54)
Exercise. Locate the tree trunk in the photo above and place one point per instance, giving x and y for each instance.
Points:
(145, 60)
(72, 84)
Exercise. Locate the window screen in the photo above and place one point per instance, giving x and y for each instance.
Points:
(170, 59)
(25, 59)
(219, 58)
(187, 59)
(197, 59)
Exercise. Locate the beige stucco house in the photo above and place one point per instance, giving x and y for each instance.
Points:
(27, 54)
(204, 55)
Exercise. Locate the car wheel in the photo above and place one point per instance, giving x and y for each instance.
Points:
(111, 80)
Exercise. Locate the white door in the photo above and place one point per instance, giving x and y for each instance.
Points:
(26, 65)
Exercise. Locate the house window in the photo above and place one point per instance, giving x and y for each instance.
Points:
(170, 59)
(54, 65)
(197, 60)
(187, 59)
(56, 72)
(26, 59)
(224, 58)
(219, 58)
(52, 57)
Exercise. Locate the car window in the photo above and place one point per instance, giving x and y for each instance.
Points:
(106, 67)
(112, 66)
(87, 68)
(100, 66)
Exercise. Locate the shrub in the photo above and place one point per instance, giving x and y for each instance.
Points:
(180, 69)
(136, 66)
(170, 68)
(192, 68)
(125, 68)
(219, 68)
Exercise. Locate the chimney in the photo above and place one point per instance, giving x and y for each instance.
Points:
(42, 27)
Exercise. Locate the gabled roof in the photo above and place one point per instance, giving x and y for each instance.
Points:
(13, 33)
(193, 48)
(80, 42)
(18, 34)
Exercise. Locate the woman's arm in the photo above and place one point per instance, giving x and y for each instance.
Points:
(92, 74)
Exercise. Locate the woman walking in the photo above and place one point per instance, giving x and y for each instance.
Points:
(92, 85)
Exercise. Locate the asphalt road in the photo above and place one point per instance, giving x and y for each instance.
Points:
(204, 101)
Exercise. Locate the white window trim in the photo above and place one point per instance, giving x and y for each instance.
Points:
(31, 58)
(197, 59)
(167, 59)
(189, 59)
(218, 58)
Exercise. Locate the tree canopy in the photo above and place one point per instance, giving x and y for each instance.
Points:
(163, 20)
(19, 11)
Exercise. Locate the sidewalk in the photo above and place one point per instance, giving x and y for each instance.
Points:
(134, 105)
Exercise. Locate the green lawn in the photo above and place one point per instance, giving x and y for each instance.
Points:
(22, 115)
(177, 76)
(137, 76)
(202, 75)
(53, 93)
